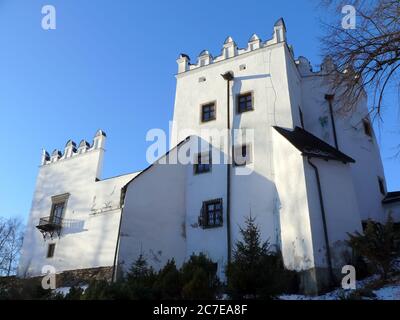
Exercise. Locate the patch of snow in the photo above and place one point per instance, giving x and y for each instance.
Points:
(390, 292)
(65, 290)
(62, 290)
(333, 295)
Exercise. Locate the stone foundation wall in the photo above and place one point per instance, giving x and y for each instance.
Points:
(75, 277)
(71, 277)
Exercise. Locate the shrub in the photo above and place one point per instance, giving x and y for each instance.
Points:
(379, 245)
(255, 271)
(140, 280)
(196, 280)
(168, 284)
(199, 278)
(23, 289)
(75, 293)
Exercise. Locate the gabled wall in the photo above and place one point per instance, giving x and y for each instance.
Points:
(153, 219)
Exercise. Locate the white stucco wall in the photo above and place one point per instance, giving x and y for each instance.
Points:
(163, 203)
(265, 75)
(295, 221)
(302, 232)
(351, 140)
(199, 188)
(91, 217)
(153, 219)
(341, 209)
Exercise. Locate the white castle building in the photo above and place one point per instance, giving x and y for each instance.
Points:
(307, 173)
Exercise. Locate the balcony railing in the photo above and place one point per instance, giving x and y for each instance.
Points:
(49, 224)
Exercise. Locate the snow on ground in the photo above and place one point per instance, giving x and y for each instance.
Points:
(62, 290)
(388, 292)
(65, 290)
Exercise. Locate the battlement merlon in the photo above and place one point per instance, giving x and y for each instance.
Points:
(230, 49)
(71, 150)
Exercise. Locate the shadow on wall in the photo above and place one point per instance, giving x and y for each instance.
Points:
(70, 226)
(71, 253)
(255, 194)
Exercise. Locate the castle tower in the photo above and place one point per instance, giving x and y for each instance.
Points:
(266, 106)
(74, 218)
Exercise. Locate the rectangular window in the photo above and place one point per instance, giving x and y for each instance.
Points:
(50, 250)
(242, 155)
(367, 127)
(57, 212)
(58, 208)
(208, 112)
(211, 215)
(381, 185)
(202, 163)
(245, 102)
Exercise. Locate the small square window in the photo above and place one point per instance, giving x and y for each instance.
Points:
(367, 127)
(202, 163)
(211, 214)
(245, 102)
(208, 112)
(50, 250)
(242, 155)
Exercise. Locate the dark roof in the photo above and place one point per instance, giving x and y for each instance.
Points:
(311, 146)
(392, 197)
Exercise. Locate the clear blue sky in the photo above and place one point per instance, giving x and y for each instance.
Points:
(110, 64)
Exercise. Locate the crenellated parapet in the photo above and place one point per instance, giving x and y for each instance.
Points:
(231, 50)
(327, 67)
(71, 150)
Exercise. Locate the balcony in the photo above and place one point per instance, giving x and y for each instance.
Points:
(50, 225)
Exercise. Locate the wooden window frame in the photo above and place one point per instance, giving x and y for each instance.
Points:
(240, 95)
(197, 163)
(204, 220)
(214, 103)
(50, 250)
(56, 201)
(367, 127)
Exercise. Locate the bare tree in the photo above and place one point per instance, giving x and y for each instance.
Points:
(366, 57)
(11, 235)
